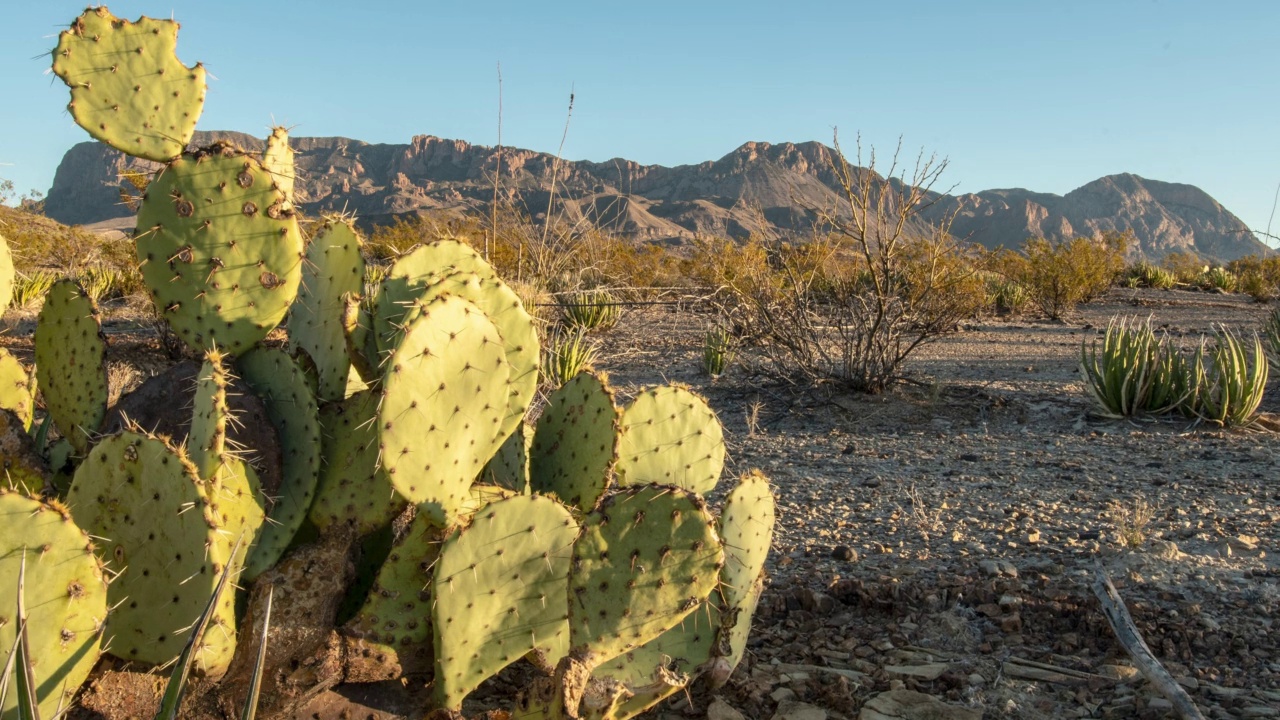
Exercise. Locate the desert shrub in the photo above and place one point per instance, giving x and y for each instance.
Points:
(1218, 278)
(1259, 276)
(874, 284)
(1060, 276)
(1147, 275)
(1134, 372)
(1186, 267)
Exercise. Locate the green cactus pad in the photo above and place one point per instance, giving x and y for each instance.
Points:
(65, 596)
(670, 436)
(500, 591)
(220, 251)
(648, 556)
(70, 349)
(207, 439)
(128, 88)
(6, 275)
(444, 396)
(396, 616)
(357, 331)
(283, 389)
(746, 525)
(350, 490)
(575, 442)
(519, 338)
(510, 467)
(277, 158)
(15, 388)
(413, 273)
(682, 649)
(334, 267)
(142, 497)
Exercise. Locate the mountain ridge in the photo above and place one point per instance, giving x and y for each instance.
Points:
(772, 190)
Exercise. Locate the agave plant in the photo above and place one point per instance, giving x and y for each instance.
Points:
(1134, 372)
(568, 353)
(717, 350)
(590, 310)
(1231, 384)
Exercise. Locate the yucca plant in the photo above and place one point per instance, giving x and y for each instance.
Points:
(568, 353)
(1007, 296)
(590, 310)
(717, 350)
(1134, 372)
(1230, 384)
(1220, 278)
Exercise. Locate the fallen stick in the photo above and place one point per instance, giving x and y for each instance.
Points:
(1127, 634)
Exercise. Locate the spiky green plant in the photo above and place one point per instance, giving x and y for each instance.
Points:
(717, 350)
(1219, 278)
(1231, 384)
(568, 353)
(30, 288)
(1007, 296)
(1134, 372)
(590, 309)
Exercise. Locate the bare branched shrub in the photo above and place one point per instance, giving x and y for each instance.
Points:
(876, 283)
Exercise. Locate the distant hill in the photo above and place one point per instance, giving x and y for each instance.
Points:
(769, 189)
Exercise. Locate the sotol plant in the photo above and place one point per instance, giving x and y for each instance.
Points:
(389, 405)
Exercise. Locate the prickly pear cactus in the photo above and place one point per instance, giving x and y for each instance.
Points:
(277, 158)
(64, 592)
(143, 497)
(15, 388)
(414, 272)
(334, 267)
(519, 338)
(229, 484)
(671, 436)
(500, 592)
(6, 275)
(128, 88)
(510, 467)
(746, 525)
(444, 397)
(648, 556)
(292, 410)
(220, 249)
(350, 490)
(357, 332)
(70, 349)
(575, 442)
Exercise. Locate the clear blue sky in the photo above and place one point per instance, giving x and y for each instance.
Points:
(1017, 93)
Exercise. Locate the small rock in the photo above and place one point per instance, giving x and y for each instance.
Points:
(791, 710)
(782, 695)
(909, 705)
(1259, 711)
(929, 671)
(976, 680)
(1118, 672)
(844, 553)
(721, 710)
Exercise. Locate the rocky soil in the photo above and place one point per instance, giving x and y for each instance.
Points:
(936, 544)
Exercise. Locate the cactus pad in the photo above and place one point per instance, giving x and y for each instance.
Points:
(334, 267)
(444, 397)
(500, 592)
(142, 498)
(283, 389)
(396, 616)
(277, 158)
(414, 272)
(746, 525)
(350, 490)
(648, 556)
(575, 442)
(519, 338)
(670, 436)
(15, 388)
(70, 349)
(128, 88)
(510, 467)
(65, 597)
(221, 252)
